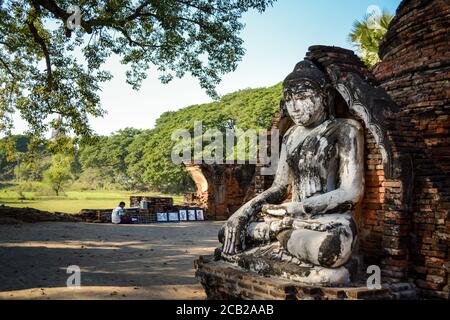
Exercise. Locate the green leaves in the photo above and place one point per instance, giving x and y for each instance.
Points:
(246, 109)
(107, 155)
(367, 35)
(59, 172)
(133, 159)
(41, 77)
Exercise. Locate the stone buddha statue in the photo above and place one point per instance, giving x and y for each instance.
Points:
(321, 164)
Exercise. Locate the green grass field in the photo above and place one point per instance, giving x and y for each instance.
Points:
(73, 201)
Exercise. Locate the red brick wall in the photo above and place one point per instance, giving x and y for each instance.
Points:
(415, 71)
(370, 219)
(226, 188)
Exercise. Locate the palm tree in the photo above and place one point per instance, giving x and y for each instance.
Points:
(367, 34)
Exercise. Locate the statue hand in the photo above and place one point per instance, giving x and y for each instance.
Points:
(277, 226)
(284, 209)
(234, 233)
(276, 210)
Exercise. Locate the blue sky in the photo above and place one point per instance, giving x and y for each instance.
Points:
(274, 41)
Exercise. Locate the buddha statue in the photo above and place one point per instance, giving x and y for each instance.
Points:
(321, 164)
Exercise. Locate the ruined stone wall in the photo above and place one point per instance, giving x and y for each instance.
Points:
(370, 221)
(221, 189)
(223, 281)
(415, 71)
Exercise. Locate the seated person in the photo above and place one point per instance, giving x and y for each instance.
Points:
(118, 215)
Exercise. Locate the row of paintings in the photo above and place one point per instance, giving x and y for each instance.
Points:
(181, 215)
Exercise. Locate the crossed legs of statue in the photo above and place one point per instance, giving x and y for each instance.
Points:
(324, 240)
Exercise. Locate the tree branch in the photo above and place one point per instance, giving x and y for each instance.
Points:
(39, 40)
(109, 21)
(8, 69)
(135, 42)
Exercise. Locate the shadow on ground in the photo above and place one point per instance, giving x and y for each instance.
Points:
(136, 261)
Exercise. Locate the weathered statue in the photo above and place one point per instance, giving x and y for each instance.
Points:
(322, 160)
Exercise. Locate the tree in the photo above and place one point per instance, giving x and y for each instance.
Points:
(176, 37)
(367, 34)
(22, 157)
(108, 155)
(59, 172)
(136, 159)
(32, 166)
(245, 109)
(12, 151)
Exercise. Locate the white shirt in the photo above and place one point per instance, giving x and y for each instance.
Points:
(115, 215)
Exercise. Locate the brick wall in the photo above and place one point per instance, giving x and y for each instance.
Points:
(222, 281)
(221, 189)
(370, 217)
(415, 71)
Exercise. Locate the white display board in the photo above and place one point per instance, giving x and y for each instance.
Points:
(161, 217)
(173, 217)
(183, 215)
(191, 215)
(199, 214)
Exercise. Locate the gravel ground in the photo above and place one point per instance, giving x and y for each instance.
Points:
(116, 261)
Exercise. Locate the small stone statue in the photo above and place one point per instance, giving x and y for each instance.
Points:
(322, 160)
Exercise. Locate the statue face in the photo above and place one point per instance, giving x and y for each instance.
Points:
(306, 107)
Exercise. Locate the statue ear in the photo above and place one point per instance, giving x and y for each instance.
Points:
(283, 109)
(330, 93)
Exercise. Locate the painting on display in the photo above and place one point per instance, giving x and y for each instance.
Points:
(161, 217)
(191, 215)
(183, 215)
(173, 217)
(199, 214)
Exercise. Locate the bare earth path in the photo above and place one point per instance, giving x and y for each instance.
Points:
(117, 262)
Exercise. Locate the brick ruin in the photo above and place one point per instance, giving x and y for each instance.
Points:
(415, 71)
(404, 217)
(221, 189)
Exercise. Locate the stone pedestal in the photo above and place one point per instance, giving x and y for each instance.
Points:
(223, 281)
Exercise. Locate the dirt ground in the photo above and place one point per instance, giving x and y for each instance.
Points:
(116, 261)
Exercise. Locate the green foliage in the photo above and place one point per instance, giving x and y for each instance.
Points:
(245, 109)
(366, 36)
(93, 179)
(107, 156)
(58, 175)
(10, 148)
(133, 159)
(22, 157)
(40, 74)
(32, 167)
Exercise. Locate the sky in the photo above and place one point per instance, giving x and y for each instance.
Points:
(274, 42)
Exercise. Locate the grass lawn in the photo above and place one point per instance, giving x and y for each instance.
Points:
(74, 201)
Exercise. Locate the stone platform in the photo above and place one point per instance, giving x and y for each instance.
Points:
(223, 281)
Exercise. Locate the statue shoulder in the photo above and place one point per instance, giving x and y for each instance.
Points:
(288, 133)
(349, 125)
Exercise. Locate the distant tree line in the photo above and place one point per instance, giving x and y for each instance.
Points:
(132, 159)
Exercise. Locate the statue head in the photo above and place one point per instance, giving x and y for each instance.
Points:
(306, 94)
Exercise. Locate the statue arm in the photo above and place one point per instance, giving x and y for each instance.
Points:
(234, 229)
(277, 192)
(351, 175)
